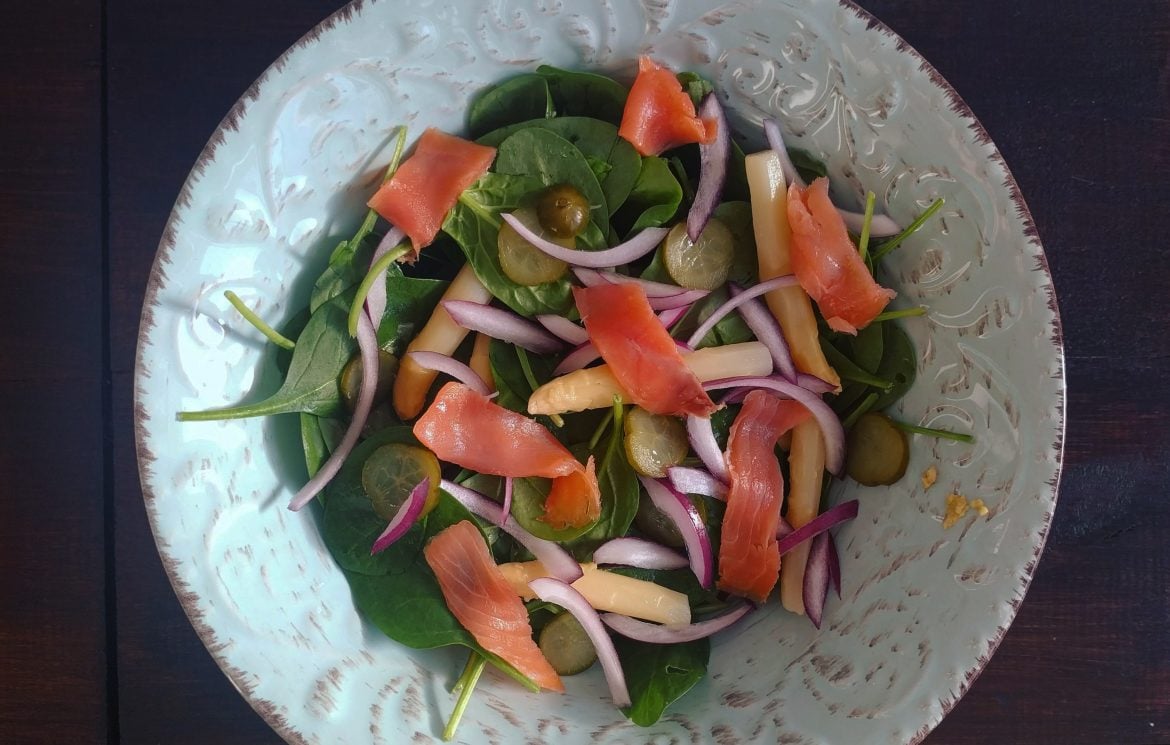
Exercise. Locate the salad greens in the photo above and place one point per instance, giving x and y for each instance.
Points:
(550, 127)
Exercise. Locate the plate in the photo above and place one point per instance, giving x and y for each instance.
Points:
(285, 176)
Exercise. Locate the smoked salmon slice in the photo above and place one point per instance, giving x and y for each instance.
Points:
(426, 186)
(827, 264)
(464, 427)
(643, 358)
(479, 596)
(749, 558)
(659, 114)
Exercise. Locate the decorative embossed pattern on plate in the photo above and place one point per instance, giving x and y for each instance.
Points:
(285, 176)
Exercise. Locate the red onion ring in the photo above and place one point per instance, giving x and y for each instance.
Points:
(367, 340)
(638, 552)
(696, 481)
(736, 301)
(453, 367)
(814, 384)
(577, 359)
(816, 579)
(690, 525)
(376, 297)
(880, 226)
(654, 634)
(405, 518)
(703, 442)
(623, 253)
(556, 560)
(767, 330)
(563, 329)
(564, 595)
(503, 325)
(506, 507)
(713, 159)
(834, 565)
(831, 430)
(830, 518)
(674, 315)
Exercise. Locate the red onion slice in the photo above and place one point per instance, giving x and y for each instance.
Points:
(623, 253)
(563, 329)
(652, 633)
(660, 295)
(367, 340)
(696, 481)
(638, 552)
(734, 396)
(736, 301)
(690, 525)
(577, 359)
(404, 518)
(831, 429)
(376, 297)
(880, 226)
(555, 591)
(453, 367)
(783, 528)
(767, 330)
(814, 384)
(506, 507)
(703, 442)
(776, 142)
(556, 560)
(816, 579)
(834, 564)
(503, 325)
(830, 518)
(673, 316)
(713, 158)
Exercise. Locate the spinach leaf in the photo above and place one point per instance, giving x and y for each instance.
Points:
(347, 265)
(679, 580)
(721, 422)
(899, 364)
(409, 304)
(745, 267)
(509, 377)
(474, 223)
(659, 674)
(653, 201)
(585, 94)
(554, 160)
(736, 189)
(619, 493)
(598, 141)
(807, 166)
(313, 443)
(867, 347)
(528, 497)
(522, 97)
(322, 350)
(696, 86)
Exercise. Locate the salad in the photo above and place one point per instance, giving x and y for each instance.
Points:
(576, 389)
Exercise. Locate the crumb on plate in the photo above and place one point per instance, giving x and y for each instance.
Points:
(958, 506)
(929, 476)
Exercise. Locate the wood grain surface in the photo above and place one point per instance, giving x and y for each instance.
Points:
(103, 109)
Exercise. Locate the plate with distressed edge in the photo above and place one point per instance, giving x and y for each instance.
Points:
(287, 173)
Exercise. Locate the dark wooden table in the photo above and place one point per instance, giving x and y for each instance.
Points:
(103, 108)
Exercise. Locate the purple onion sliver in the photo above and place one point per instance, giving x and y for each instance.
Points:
(735, 396)
(831, 429)
(556, 560)
(367, 340)
(682, 299)
(623, 253)
(713, 158)
(776, 142)
(652, 633)
(563, 329)
(880, 226)
(828, 519)
(816, 580)
(577, 359)
(405, 518)
(503, 325)
(673, 316)
(736, 301)
(814, 384)
(679, 510)
(767, 330)
(703, 442)
(453, 367)
(696, 481)
(506, 507)
(638, 552)
(554, 591)
(783, 528)
(834, 564)
(592, 278)
(376, 297)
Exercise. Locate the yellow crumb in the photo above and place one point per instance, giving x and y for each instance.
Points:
(958, 506)
(929, 476)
